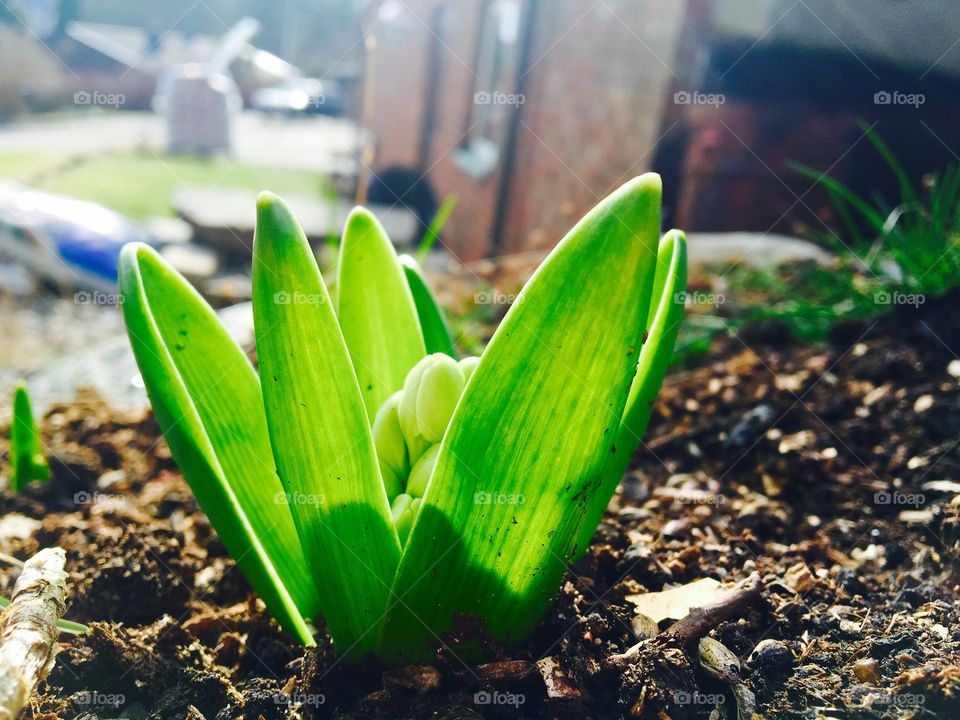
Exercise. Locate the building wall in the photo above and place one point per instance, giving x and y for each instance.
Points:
(594, 109)
(596, 84)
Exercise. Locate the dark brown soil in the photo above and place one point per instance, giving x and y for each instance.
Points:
(811, 466)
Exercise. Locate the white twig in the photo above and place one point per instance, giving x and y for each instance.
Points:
(28, 629)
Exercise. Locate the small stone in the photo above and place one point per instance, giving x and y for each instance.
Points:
(753, 424)
(797, 441)
(923, 403)
(644, 628)
(676, 528)
(771, 657)
(718, 661)
(953, 369)
(746, 701)
(634, 514)
(866, 670)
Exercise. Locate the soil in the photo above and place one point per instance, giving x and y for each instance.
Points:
(831, 472)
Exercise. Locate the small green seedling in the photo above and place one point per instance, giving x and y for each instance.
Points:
(27, 460)
(368, 475)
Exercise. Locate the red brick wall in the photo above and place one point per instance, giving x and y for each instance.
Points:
(597, 88)
(598, 79)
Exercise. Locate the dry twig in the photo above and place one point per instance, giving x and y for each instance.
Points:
(28, 629)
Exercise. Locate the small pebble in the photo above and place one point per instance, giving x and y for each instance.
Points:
(718, 661)
(953, 369)
(771, 657)
(866, 670)
(644, 628)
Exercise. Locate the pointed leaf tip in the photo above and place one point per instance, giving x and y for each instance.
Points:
(273, 212)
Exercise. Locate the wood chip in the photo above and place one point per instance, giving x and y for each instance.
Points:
(677, 602)
(558, 682)
(420, 678)
(799, 578)
(509, 671)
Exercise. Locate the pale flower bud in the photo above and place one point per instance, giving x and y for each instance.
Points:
(421, 472)
(404, 512)
(429, 395)
(468, 365)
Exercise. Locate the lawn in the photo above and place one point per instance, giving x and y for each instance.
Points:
(140, 183)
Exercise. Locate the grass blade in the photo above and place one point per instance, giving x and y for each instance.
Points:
(907, 194)
(66, 626)
(376, 311)
(436, 332)
(525, 452)
(26, 451)
(439, 221)
(838, 189)
(320, 433)
(206, 397)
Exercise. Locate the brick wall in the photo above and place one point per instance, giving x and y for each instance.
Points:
(597, 81)
(597, 89)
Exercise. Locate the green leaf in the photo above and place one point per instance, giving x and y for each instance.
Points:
(658, 336)
(26, 451)
(206, 397)
(319, 431)
(376, 310)
(436, 333)
(440, 219)
(657, 339)
(526, 449)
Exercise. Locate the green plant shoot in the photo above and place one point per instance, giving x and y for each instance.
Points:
(27, 461)
(373, 478)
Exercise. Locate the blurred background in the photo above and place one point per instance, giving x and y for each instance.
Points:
(809, 148)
